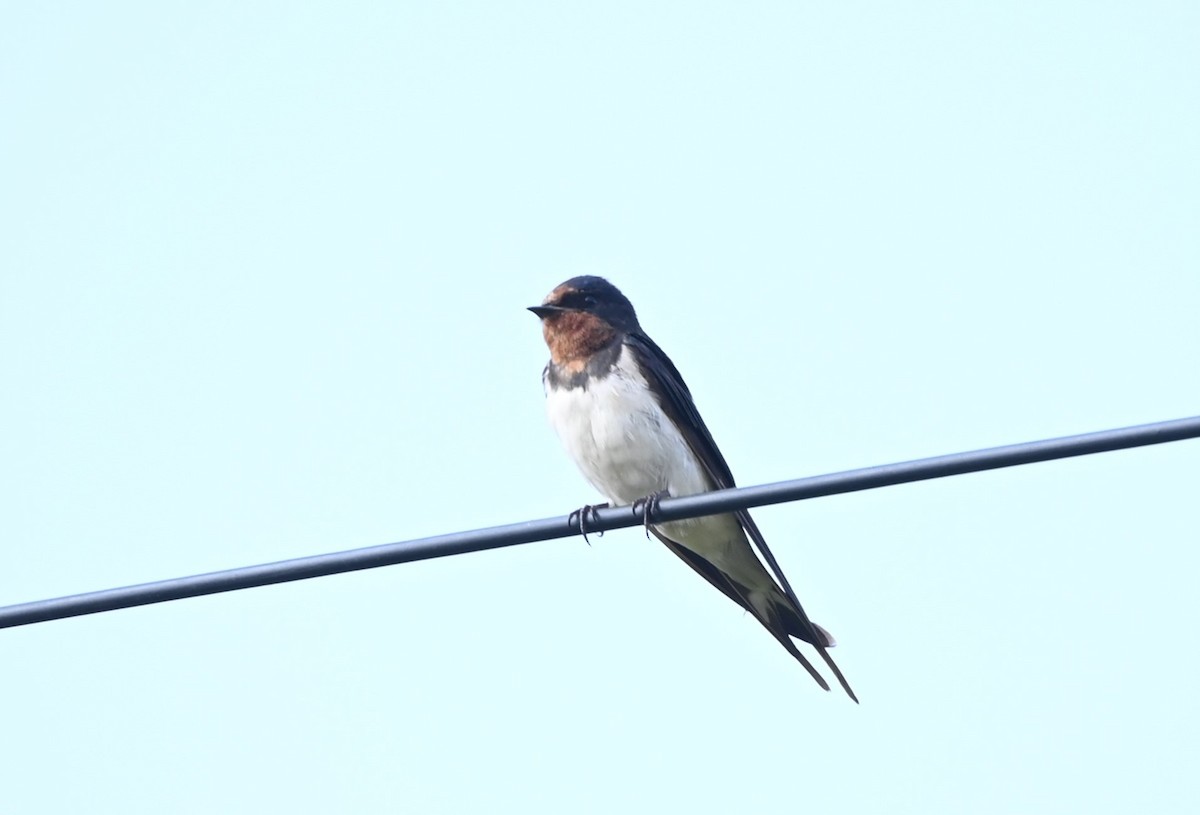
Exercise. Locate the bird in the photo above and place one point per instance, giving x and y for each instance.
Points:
(627, 419)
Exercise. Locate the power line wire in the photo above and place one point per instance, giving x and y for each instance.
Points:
(669, 509)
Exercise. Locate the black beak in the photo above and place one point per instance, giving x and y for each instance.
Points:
(547, 311)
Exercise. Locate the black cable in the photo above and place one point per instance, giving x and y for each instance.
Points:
(669, 509)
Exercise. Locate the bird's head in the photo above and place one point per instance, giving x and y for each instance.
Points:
(583, 315)
(592, 296)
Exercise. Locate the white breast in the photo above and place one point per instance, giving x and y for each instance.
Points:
(617, 433)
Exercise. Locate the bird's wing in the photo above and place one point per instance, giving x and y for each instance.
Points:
(667, 384)
(676, 401)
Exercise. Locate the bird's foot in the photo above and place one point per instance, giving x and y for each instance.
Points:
(579, 519)
(647, 507)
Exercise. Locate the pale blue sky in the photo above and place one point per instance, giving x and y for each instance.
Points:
(262, 279)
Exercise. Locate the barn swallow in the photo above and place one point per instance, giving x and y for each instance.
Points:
(627, 419)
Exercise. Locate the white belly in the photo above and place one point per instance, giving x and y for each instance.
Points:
(627, 448)
(621, 439)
